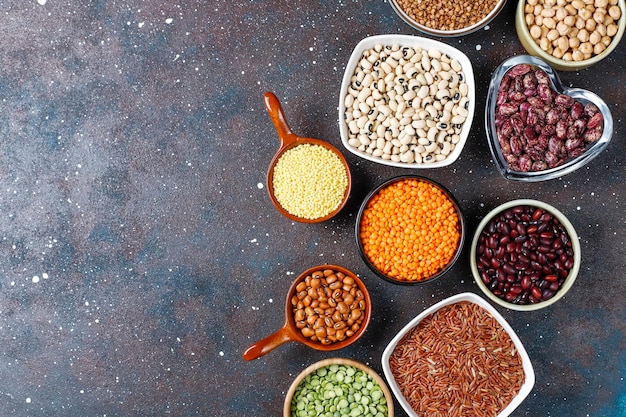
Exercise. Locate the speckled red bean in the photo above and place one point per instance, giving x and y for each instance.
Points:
(524, 255)
(538, 128)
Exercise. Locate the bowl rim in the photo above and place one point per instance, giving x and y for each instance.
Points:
(412, 41)
(290, 319)
(522, 30)
(529, 372)
(582, 95)
(569, 280)
(447, 33)
(388, 182)
(337, 361)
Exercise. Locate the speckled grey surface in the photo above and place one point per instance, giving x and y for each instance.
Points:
(140, 254)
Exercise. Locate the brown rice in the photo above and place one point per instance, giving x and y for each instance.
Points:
(459, 361)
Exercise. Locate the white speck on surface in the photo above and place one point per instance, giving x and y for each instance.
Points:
(28, 399)
(169, 20)
(42, 2)
(259, 186)
(221, 353)
(45, 276)
(253, 240)
(478, 47)
(271, 300)
(35, 279)
(140, 24)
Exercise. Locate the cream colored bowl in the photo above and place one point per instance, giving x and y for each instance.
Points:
(533, 48)
(337, 361)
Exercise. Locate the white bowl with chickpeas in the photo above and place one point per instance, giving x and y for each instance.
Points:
(570, 34)
(406, 101)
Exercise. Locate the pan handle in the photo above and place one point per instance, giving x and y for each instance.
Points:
(275, 110)
(268, 344)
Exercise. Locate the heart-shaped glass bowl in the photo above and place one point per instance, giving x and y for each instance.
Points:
(413, 42)
(581, 95)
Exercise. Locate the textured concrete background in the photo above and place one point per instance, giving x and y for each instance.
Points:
(140, 254)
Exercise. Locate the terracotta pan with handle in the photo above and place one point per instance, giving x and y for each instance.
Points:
(290, 333)
(289, 140)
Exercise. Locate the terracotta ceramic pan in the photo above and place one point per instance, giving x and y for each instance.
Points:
(290, 333)
(289, 140)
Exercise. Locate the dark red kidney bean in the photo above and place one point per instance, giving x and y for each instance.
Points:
(524, 255)
(536, 292)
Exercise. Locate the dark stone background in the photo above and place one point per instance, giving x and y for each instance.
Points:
(140, 254)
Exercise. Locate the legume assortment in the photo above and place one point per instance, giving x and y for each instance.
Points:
(406, 104)
(410, 230)
(328, 306)
(309, 181)
(572, 30)
(447, 15)
(524, 255)
(459, 361)
(539, 128)
(339, 390)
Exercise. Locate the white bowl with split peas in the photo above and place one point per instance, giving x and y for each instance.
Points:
(406, 101)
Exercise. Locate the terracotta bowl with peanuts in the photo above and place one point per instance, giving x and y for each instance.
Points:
(570, 34)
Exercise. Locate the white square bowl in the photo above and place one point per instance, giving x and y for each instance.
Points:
(414, 42)
(529, 380)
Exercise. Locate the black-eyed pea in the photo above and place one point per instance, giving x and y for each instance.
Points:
(299, 315)
(320, 333)
(340, 335)
(307, 332)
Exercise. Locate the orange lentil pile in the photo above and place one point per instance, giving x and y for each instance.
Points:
(410, 230)
(446, 14)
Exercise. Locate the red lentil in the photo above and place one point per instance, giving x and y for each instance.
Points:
(410, 230)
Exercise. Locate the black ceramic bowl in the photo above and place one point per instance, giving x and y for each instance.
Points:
(454, 222)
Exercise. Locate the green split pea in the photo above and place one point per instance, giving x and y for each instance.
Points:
(336, 391)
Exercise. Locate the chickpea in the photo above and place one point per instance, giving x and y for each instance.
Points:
(583, 35)
(595, 38)
(586, 48)
(590, 25)
(598, 48)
